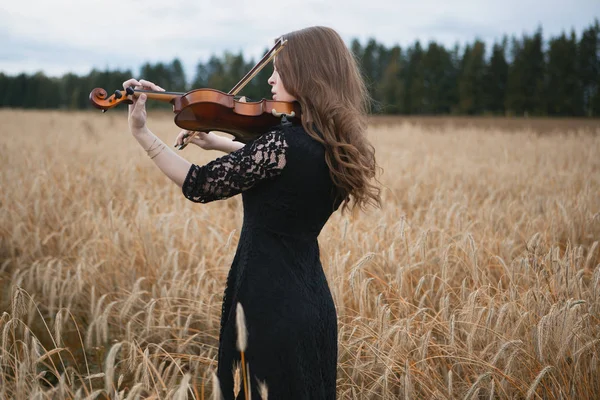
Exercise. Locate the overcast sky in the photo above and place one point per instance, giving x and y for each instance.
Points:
(59, 36)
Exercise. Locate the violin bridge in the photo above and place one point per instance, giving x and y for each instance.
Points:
(280, 115)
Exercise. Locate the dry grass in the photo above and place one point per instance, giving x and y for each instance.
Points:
(480, 277)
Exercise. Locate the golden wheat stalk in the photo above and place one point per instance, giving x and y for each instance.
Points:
(242, 343)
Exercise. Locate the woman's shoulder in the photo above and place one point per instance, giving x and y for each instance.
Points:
(291, 136)
(300, 143)
(296, 134)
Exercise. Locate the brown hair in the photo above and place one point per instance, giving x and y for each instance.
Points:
(317, 69)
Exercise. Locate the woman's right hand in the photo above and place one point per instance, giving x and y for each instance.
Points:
(207, 141)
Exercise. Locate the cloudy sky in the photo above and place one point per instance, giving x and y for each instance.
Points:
(59, 36)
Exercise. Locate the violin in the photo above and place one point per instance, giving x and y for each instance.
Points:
(212, 110)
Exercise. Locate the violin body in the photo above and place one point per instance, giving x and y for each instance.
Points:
(212, 110)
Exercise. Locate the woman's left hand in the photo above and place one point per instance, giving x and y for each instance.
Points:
(137, 110)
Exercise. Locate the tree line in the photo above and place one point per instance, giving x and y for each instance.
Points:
(517, 76)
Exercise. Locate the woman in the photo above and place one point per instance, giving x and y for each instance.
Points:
(291, 179)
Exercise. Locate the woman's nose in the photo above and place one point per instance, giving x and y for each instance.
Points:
(271, 80)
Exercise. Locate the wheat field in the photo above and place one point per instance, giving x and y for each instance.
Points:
(479, 278)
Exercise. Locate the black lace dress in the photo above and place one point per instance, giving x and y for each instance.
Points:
(276, 274)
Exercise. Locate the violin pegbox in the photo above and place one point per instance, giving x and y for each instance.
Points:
(100, 99)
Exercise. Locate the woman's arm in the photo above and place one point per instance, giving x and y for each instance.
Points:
(229, 146)
(209, 141)
(262, 159)
(171, 164)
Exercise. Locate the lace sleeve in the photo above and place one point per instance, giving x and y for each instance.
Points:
(264, 158)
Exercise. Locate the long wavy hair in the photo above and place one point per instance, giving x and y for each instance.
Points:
(319, 70)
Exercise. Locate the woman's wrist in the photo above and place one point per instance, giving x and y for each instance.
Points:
(140, 132)
(220, 143)
(229, 146)
(148, 140)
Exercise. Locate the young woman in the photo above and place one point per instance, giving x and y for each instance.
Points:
(292, 179)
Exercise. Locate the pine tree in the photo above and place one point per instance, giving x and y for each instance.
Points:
(177, 82)
(496, 77)
(439, 80)
(202, 75)
(564, 95)
(471, 80)
(589, 69)
(391, 88)
(414, 81)
(4, 82)
(525, 91)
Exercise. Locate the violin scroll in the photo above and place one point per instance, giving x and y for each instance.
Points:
(100, 99)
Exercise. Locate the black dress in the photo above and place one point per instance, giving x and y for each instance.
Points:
(276, 274)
